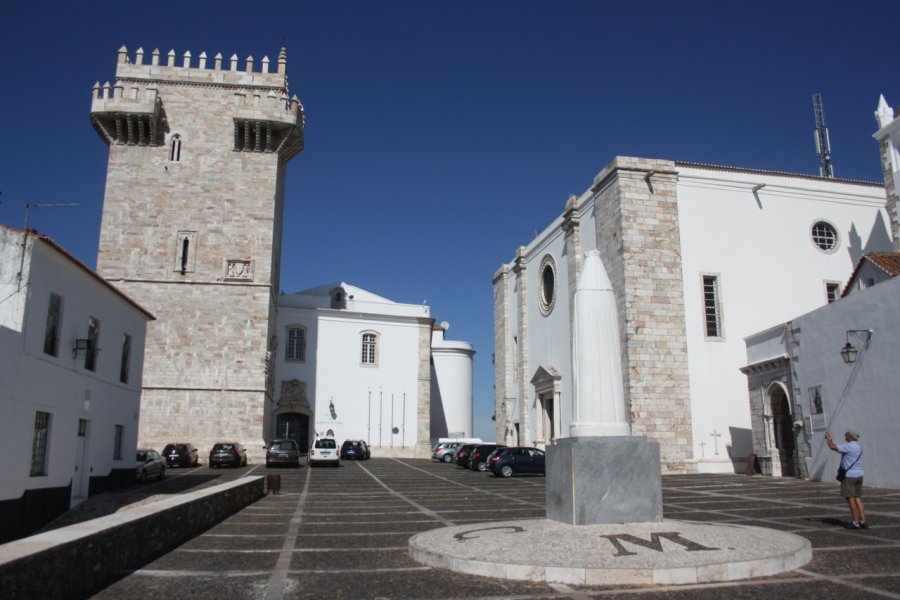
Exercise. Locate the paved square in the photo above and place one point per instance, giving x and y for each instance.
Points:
(343, 533)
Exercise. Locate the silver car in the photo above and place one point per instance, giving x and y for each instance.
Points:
(149, 464)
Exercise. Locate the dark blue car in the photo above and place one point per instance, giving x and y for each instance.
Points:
(506, 462)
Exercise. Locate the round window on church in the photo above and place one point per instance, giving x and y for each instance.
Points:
(548, 284)
(825, 236)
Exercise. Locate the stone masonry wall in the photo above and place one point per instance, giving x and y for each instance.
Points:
(637, 234)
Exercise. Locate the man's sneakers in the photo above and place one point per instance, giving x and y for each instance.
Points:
(859, 525)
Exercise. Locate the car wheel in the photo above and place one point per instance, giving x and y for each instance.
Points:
(448, 458)
(506, 471)
(268, 465)
(483, 466)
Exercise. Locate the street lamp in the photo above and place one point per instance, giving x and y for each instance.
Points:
(849, 353)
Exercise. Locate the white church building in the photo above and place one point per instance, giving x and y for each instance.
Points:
(699, 256)
(354, 365)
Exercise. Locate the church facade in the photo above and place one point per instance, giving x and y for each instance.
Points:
(699, 257)
(191, 229)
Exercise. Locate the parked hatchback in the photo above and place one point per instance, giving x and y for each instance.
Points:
(478, 457)
(509, 461)
(283, 452)
(445, 451)
(231, 454)
(324, 452)
(149, 464)
(181, 455)
(357, 449)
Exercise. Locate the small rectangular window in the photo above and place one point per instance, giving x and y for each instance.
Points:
(51, 332)
(832, 291)
(117, 443)
(712, 309)
(90, 356)
(39, 443)
(126, 358)
(296, 344)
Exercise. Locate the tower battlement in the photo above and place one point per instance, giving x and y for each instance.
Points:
(130, 110)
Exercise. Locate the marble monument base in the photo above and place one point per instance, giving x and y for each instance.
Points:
(604, 480)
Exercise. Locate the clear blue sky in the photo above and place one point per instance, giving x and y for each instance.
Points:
(442, 134)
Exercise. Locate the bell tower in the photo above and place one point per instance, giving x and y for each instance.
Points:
(191, 230)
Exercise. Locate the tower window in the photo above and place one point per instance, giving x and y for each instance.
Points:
(185, 251)
(369, 348)
(712, 307)
(175, 148)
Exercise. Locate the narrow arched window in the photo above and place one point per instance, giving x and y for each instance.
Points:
(175, 148)
(185, 248)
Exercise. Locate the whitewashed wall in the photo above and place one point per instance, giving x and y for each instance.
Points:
(769, 269)
(34, 381)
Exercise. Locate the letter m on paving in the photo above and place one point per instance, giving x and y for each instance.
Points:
(654, 543)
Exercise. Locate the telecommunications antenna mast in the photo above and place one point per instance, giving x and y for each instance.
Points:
(823, 145)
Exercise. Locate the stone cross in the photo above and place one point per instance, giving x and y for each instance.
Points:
(716, 435)
(702, 446)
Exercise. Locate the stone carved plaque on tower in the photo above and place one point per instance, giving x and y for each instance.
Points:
(238, 270)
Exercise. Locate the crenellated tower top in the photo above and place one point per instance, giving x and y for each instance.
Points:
(130, 110)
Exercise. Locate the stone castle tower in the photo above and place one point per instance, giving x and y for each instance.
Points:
(191, 230)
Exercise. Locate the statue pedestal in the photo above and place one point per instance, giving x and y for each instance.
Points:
(600, 480)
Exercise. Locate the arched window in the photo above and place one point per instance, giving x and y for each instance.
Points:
(175, 148)
(295, 350)
(369, 348)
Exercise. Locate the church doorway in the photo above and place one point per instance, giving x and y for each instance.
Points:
(294, 426)
(547, 390)
(782, 431)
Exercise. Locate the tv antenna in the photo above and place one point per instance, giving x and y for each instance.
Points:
(823, 145)
(28, 206)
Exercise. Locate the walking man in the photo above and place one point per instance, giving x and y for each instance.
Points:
(852, 480)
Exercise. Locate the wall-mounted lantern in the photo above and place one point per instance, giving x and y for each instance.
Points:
(849, 353)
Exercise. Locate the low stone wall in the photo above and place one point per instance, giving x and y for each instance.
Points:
(76, 560)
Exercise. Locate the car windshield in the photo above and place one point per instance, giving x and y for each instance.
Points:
(284, 445)
(223, 447)
(325, 444)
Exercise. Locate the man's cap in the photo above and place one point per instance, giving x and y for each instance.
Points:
(853, 433)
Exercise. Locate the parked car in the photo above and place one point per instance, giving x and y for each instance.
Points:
(506, 462)
(324, 451)
(445, 451)
(478, 457)
(149, 464)
(357, 449)
(181, 454)
(462, 454)
(283, 452)
(227, 453)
